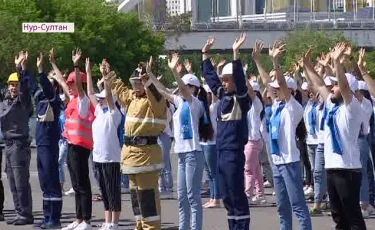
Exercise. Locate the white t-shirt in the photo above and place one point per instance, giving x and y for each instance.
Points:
(104, 132)
(213, 116)
(196, 111)
(367, 112)
(311, 139)
(253, 120)
(348, 122)
(291, 115)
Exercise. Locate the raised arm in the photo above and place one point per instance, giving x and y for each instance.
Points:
(346, 93)
(23, 78)
(58, 75)
(108, 91)
(176, 70)
(47, 87)
(90, 85)
(275, 52)
(256, 54)
(364, 73)
(208, 70)
(76, 55)
(316, 80)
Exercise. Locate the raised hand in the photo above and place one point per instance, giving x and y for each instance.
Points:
(324, 59)
(18, 58)
(76, 55)
(306, 57)
(361, 58)
(188, 65)
(179, 68)
(172, 62)
(276, 50)
(338, 51)
(52, 56)
(108, 78)
(39, 62)
(213, 61)
(349, 50)
(87, 65)
(221, 63)
(149, 65)
(239, 41)
(210, 42)
(257, 49)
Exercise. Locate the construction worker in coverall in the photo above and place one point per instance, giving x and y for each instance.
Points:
(48, 105)
(141, 156)
(15, 117)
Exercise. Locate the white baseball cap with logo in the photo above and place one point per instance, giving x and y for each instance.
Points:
(191, 79)
(352, 81)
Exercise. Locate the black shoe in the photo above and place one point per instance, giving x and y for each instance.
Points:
(23, 222)
(11, 221)
(2, 217)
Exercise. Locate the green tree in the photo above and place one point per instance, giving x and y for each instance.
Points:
(100, 31)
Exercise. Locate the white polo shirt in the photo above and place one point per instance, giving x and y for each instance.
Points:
(348, 122)
(311, 139)
(367, 112)
(253, 120)
(291, 115)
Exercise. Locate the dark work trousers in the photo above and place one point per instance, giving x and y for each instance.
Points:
(1, 183)
(306, 165)
(48, 171)
(232, 183)
(343, 190)
(78, 165)
(373, 151)
(110, 185)
(18, 172)
(371, 182)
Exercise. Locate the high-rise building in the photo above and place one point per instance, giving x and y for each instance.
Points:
(177, 7)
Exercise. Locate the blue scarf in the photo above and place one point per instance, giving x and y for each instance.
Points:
(331, 122)
(105, 110)
(274, 129)
(324, 116)
(185, 121)
(268, 115)
(311, 118)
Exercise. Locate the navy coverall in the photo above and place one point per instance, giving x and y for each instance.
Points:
(48, 105)
(232, 135)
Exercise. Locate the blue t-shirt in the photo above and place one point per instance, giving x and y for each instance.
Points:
(61, 124)
(268, 114)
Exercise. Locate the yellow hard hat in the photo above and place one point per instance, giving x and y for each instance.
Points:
(13, 77)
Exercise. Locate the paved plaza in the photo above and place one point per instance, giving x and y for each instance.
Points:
(262, 217)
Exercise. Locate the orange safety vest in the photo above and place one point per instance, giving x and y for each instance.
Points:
(78, 130)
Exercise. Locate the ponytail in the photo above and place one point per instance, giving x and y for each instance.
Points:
(206, 131)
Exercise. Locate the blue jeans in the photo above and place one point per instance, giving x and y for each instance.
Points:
(320, 176)
(63, 152)
(289, 196)
(165, 179)
(371, 183)
(124, 180)
(190, 171)
(211, 156)
(364, 149)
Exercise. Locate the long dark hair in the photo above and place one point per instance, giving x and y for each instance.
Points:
(301, 128)
(206, 131)
(366, 94)
(262, 113)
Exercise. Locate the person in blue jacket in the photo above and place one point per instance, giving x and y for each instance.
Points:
(232, 133)
(48, 105)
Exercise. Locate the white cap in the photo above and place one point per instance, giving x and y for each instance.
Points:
(191, 79)
(352, 81)
(255, 85)
(62, 96)
(362, 85)
(327, 81)
(289, 82)
(101, 94)
(305, 86)
(227, 70)
(207, 88)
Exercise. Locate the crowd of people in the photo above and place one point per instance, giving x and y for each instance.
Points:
(308, 133)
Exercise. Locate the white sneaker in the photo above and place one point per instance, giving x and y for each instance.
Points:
(83, 226)
(267, 184)
(71, 226)
(258, 200)
(365, 214)
(309, 192)
(70, 192)
(113, 227)
(105, 226)
(166, 195)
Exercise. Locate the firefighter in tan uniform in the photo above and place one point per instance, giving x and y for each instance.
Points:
(141, 156)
